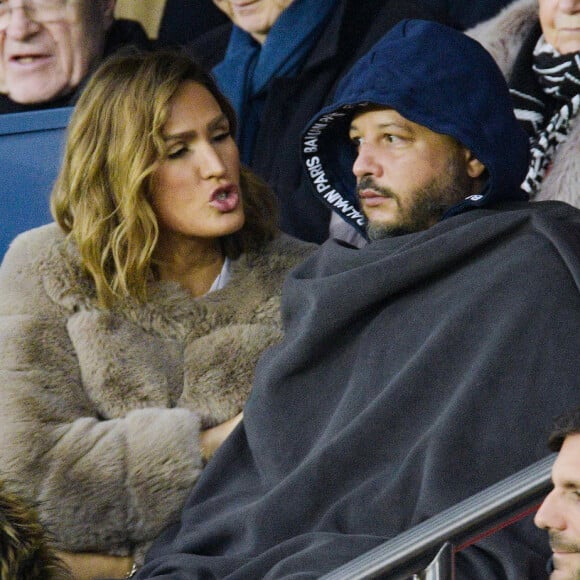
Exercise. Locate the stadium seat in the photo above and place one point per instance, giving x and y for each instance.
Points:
(31, 147)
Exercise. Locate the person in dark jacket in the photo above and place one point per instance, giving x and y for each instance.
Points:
(183, 21)
(48, 49)
(278, 64)
(463, 15)
(417, 370)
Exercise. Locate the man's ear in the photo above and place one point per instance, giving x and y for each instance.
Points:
(475, 168)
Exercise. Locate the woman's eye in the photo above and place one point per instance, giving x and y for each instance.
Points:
(222, 136)
(176, 153)
(356, 142)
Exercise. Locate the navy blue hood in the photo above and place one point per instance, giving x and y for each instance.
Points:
(437, 77)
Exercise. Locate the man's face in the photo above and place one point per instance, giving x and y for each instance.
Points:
(407, 175)
(560, 512)
(256, 17)
(42, 60)
(560, 20)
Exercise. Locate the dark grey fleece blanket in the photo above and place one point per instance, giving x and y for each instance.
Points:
(415, 372)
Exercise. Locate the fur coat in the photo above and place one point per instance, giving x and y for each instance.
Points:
(101, 409)
(503, 37)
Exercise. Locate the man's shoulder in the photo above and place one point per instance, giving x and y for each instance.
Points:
(558, 212)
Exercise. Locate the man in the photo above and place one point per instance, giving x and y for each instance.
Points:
(559, 514)
(49, 47)
(278, 65)
(417, 370)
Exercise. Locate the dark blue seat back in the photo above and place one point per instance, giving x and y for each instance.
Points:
(31, 146)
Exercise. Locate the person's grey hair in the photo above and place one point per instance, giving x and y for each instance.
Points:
(564, 425)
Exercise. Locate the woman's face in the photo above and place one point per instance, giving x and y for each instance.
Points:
(256, 17)
(195, 192)
(560, 20)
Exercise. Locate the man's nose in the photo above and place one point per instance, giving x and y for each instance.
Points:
(366, 162)
(569, 6)
(551, 515)
(19, 25)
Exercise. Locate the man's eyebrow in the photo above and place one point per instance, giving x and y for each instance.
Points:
(383, 126)
(211, 126)
(570, 484)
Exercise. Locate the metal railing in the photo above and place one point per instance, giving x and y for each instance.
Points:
(403, 555)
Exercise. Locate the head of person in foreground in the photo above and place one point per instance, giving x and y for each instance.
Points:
(559, 514)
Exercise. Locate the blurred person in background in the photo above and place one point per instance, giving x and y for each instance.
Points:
(537, 46)
(49, 48)
(25, 549)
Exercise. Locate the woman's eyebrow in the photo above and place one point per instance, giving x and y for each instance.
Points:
(191, 133)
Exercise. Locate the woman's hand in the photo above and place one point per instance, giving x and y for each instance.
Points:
(211, 439)
(89, 566)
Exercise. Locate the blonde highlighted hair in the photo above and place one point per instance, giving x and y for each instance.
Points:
(114, 145)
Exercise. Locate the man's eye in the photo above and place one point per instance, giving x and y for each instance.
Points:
(356, 142)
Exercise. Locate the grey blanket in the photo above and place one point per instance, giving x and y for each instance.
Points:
(415, 372)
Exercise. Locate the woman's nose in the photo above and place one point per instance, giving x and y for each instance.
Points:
(211, 163)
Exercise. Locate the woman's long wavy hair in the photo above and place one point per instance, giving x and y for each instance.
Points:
(101, 198)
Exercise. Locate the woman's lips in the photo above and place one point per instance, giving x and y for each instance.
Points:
(225, 199)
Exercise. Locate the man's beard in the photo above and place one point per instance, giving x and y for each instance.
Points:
(427, 204)
(559, 544)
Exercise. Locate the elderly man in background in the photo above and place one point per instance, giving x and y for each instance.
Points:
(48, 48)
(536, 43)
(560, 512)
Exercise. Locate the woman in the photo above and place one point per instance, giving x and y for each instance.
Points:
(278, 65)
(537, 46)
(129, 332)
